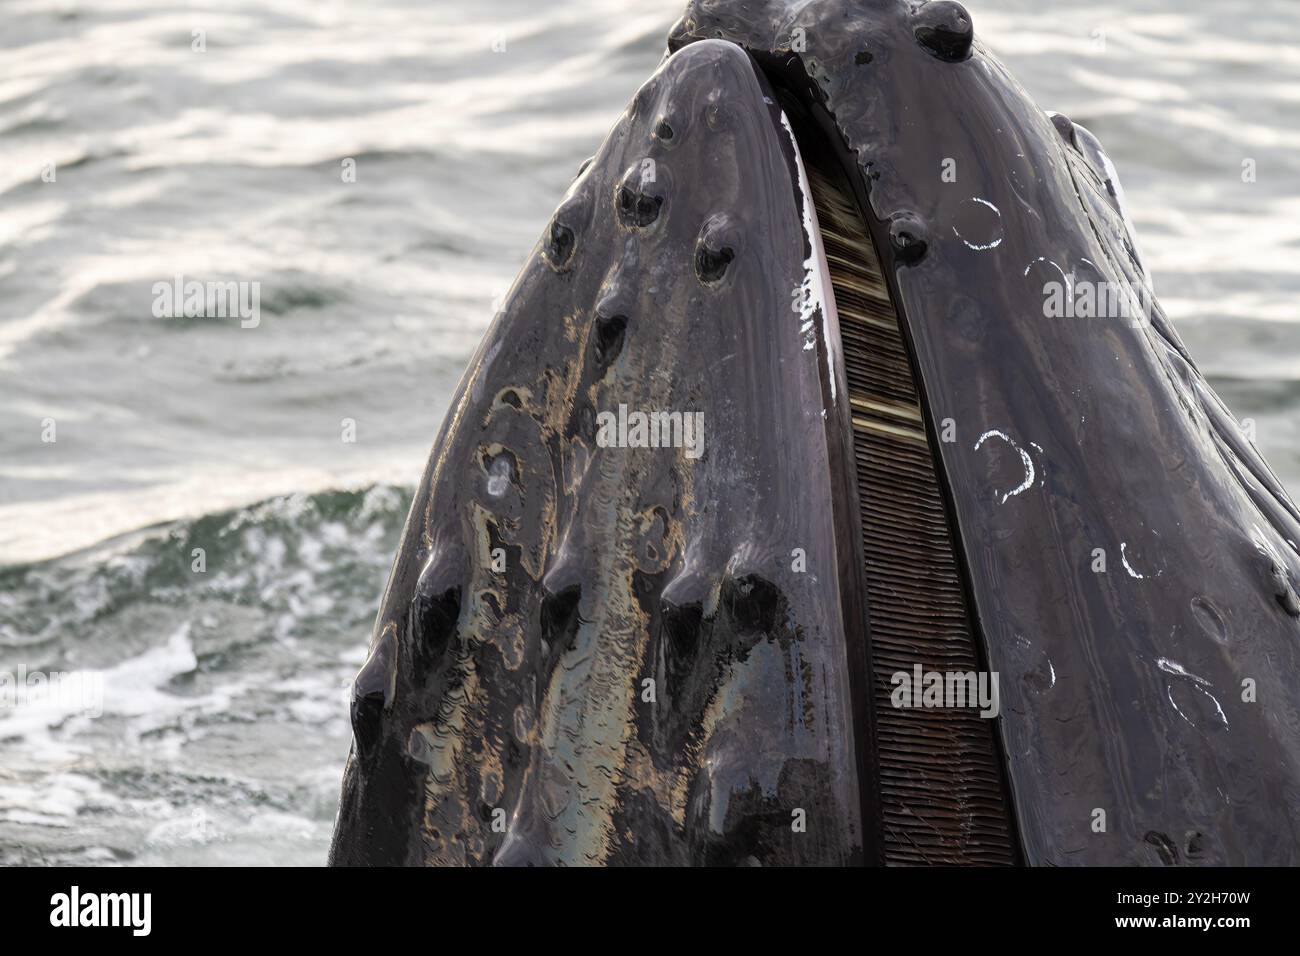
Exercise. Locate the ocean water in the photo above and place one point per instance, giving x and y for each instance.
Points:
(200, 715)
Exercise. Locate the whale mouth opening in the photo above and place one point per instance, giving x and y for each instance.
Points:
(940, 791)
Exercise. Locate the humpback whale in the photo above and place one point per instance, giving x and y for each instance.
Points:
(840, 237)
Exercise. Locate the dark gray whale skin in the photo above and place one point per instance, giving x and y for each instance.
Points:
(523, 691)
(1150, 711)
(1121, 691)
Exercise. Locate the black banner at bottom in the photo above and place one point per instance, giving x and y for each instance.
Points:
(340, 907)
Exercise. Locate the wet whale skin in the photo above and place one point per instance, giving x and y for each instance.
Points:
(519, 697)
(1157, 699)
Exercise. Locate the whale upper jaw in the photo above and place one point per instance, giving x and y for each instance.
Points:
(617, 688)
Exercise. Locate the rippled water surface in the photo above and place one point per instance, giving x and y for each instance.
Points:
(223, 725)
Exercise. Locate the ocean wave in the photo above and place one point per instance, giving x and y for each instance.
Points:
(158, 712)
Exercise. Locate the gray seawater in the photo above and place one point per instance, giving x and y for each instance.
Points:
(214, 729)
